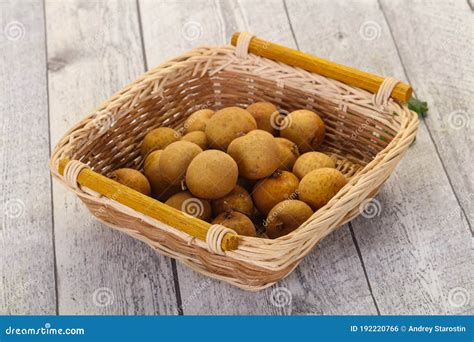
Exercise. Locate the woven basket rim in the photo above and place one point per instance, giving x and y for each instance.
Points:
(328, 217)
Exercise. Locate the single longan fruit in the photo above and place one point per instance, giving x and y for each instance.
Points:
(286, 216)
(211, 175)
(320, 185)
(158, 139)
(236, 221)
(305, 128)
(264, 114)
(227, 124)
(191, 205)
(256, 154)
(197, 137)
(175, 160)
(197, 121)
(160, 188)
(237, 200)
(311, 161)
(288, 153)
(280, 186)
(133, 179)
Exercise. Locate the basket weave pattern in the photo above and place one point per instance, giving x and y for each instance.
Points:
(366, 134)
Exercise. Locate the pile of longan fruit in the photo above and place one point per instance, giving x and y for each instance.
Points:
(241, 168)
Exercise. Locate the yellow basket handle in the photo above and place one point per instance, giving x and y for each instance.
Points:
(84, 176)
(351, 76)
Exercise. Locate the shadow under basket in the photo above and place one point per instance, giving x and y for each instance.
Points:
(367, 134)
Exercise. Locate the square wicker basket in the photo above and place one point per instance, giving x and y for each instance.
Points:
(368, 129)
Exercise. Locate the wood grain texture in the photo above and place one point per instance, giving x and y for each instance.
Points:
(330, 280)
(27, 280)
(441, 67)
(94, 50)
(417, 250)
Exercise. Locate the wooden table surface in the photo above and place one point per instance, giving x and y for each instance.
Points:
(60, 59)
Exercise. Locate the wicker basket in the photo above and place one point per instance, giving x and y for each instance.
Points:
(369, 127)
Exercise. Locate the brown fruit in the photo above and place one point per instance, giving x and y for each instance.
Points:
(211, 175)
(320, 185)
(197, 137)
(305, 128)
(280, 186)
(133, 179)
(197, 121)
(236, 221)
(191, 205)
(288, 153)
(175, 159)
(256, 154)
(237, 200)
(160, 188)
(158, 139)
(311, 161)
(264, 114)
(285, 217)
(227, 124)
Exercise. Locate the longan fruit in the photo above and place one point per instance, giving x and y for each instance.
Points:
(305, 128)
(197, 121)
(211, 174)
(175, 159)
(197, 137)
(227, 124)
(160, 188)
(311, 161)
(133, 179)
(158, 139)
(285, 217)
(236, 221)
(237, 200)
(288, 153)
(191, 205)
(256, 154)
(262, 113)
(280, 186)
(320, 185)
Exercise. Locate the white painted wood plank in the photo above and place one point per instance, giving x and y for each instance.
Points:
(27, 281)
(471, 4)
(330, 280)
(418, 251)
(94, 50)
(440, 65)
